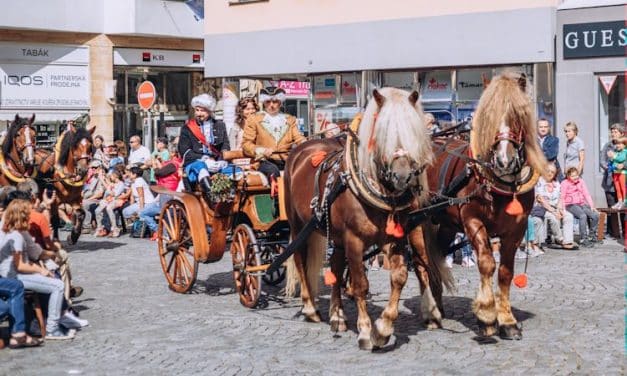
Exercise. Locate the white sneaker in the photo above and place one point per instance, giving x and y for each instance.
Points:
(449, 261)
(521, 254)
(468, 262)
(618, 205)
(497, 256)
(535, 252)
(71, 321)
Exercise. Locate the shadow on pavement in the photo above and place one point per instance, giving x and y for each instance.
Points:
(92, 245)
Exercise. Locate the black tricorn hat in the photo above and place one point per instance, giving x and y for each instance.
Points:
(270, 93)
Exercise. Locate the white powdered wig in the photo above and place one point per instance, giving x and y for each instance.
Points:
(266, 97)
(397, 125)
(204, 101)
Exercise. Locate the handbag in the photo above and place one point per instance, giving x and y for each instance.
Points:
(538, 211)
(139, 229)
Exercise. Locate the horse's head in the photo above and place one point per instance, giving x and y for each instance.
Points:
(503, 132)
(21, 138)
(77, 149)
(394, 142)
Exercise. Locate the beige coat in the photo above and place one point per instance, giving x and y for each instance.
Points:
(257, 137)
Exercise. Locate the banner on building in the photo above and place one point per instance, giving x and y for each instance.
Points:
(33, 86)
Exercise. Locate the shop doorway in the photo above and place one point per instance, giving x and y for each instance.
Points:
(299, 108)
(612, 104)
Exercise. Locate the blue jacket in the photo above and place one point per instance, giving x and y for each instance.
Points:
(551, 149)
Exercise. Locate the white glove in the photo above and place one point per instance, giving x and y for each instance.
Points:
(205, 158)
(223, 164)
(213, 166)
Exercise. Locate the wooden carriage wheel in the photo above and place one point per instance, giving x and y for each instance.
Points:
(176, 249)
(245, 254)
(267, 256)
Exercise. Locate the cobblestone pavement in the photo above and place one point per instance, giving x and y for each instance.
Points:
(572, 312)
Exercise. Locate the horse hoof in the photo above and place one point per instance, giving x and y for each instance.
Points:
(432, 324)
(487, 330)
(338, 326)
(312, 316)
(510, 332)
(380, 334)
(365, 344)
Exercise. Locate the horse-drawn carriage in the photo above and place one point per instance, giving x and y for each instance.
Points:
(195, 228)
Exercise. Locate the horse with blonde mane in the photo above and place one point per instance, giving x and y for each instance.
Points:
(494, 176)
(381, 177)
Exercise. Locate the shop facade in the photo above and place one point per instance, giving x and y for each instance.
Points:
(591, 61)
(176, 75)
(50, 80)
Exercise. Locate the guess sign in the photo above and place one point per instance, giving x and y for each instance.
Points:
(595, 39)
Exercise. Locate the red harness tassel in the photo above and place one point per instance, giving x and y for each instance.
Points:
(329, 278)
(514, 207)
(394, 228)
(318, 157)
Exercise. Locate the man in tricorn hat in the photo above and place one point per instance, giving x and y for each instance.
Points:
(202, 141)
(270, 134)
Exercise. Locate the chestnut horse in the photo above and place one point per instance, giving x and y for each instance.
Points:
(65, 169)
(17, 158)
(390, 153)
(496, 172)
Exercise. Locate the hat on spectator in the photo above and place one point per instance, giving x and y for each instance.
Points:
(95, 163)
(272, 93)
(204, 101)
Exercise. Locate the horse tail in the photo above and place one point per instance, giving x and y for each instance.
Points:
(292, 279)
(316, 246)
(439, 273)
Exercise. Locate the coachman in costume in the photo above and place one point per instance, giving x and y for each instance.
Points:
(202, 141)
(269, 135)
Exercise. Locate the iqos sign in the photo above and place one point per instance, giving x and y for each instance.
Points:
(595, 39)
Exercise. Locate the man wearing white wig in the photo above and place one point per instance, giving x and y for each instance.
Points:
(269, 135)
(202, 141)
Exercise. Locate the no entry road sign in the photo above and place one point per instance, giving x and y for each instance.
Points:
(146, 95)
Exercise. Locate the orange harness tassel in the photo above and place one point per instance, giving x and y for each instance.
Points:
(329, 278)
(394, 228)
(514, 207)
(318, 157)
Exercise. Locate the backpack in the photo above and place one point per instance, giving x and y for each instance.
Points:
(140, 229)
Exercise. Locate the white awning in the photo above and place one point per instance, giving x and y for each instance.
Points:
(576, 4)
(41, 116)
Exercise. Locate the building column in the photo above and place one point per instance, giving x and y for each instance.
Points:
(101, 75)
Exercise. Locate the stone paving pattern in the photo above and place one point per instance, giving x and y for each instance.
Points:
(572, 312)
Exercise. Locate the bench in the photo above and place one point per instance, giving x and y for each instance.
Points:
(613, 217)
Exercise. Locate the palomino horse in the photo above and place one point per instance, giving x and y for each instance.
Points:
(66, 169)
(17, 159)
(390, 153)
(496, 172)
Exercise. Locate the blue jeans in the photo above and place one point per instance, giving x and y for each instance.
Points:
(148, 215)
(13, 291)
(47, 285)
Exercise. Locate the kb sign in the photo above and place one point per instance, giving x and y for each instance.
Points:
(595, 39)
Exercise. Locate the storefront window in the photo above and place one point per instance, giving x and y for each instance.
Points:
(348, 88)
(324, 90)
(177, 91)
(544, 81)
(401, 80)
(612, 104)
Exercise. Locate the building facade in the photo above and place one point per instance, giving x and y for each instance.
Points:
(591, 59)
(66, 58)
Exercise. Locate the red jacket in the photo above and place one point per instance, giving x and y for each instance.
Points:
(168, 175)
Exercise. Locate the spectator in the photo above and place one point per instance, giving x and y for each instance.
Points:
(161, 154)
(574, 156)
(432, 126)
(616, 132)
(15, 264)
(529, 247)
(578, 201)
(140, 155)
(114, 187)
(140, 193)
(619, 170)
(99, 152)
(558, 221)
(245, 107)
(93, 191)
(550, 145)
(122, 150)
(115, 158)
(167, 174)
(12, 290)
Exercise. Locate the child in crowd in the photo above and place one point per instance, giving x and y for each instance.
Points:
(619, 172)
(577, 199)
(141, 194)
(114, 188)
